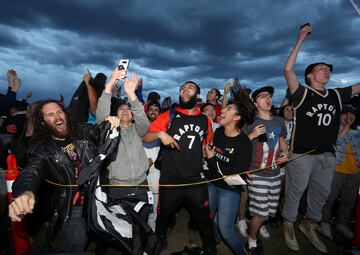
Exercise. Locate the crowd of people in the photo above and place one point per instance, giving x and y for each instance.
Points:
(154, 158)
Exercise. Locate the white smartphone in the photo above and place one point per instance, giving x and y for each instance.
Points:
(124, 64)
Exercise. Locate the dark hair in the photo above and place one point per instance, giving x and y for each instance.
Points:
(198, 89)
(20, 105)
(282, 108)
(310, 67)
(244, 105)
(217, 93)
(41, 131)
(153, 103)
(153, 96)
(195, 84)
(98, 83)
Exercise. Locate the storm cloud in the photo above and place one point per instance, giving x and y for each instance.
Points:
(52, 43)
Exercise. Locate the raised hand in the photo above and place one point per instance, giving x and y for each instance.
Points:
(28, 95)
(228, 86)
(304, 32)
(140, 82)
(130, 86)
(114, 79)
(13, 80)
(87, 78)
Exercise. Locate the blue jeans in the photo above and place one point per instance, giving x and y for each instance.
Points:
(226, 203)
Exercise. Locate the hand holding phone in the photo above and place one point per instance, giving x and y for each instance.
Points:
(124, 65)
(306, 24)
(89, 72)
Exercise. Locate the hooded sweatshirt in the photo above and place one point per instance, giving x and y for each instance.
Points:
(131, 163)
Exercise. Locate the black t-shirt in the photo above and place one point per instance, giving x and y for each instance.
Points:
(232, 155)
(184, 165)
(69, 150)
(317, 118)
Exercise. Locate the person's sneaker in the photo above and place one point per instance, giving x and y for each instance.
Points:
(258, 250)
(325, 229)
(242, 225)
(264, 233)
(344, 230)
(308, 229)
(193, 239)
(289, 236)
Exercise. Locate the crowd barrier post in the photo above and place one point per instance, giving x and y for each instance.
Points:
(356, 240)
(20, 234)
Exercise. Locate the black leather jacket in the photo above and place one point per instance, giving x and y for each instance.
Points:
(47, 161)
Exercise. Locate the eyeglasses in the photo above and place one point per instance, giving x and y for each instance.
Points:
(264, 96)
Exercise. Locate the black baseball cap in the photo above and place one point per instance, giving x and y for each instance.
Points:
(310, 67)
(153, 96)
(269, 89)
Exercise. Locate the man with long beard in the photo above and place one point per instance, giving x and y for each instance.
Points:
(62, 150)
(182, 163)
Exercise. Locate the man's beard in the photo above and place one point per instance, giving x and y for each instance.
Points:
(187, 105)
(152, 117)
(55, 133)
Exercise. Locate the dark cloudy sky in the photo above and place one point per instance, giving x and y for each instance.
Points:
(51, 43)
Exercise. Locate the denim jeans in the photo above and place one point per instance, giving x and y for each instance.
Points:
(226, 204)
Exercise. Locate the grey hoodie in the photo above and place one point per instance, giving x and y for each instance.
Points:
(131, 162)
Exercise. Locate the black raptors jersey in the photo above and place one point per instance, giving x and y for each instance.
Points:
(317, 119)
(184, 165)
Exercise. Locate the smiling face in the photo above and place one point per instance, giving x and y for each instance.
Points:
(124, 114)
(55, 119)
(153, 112)
(229, 115)
(320, 74)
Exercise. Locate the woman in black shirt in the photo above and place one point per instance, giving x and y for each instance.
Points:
(230, 154)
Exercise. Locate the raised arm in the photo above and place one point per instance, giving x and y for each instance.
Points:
(10, 98)
(141, 121)
(355, 89)
(91, 93)
(103, 108)
(227, 89)
(289, 73)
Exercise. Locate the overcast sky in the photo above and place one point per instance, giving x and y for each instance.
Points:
(51, 43)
